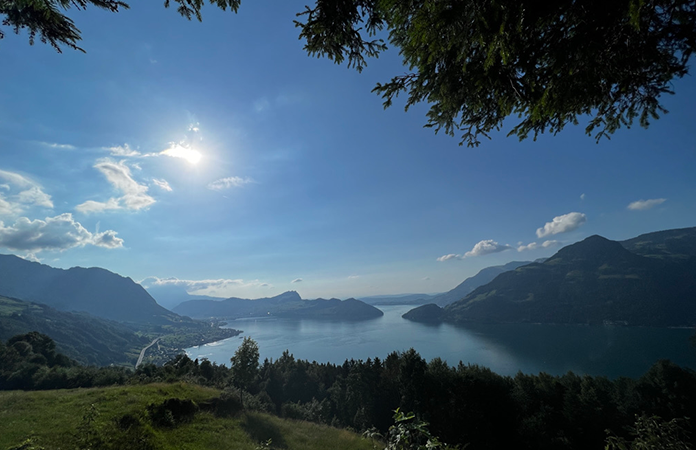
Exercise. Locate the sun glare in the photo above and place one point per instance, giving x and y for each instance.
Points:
(189, 154)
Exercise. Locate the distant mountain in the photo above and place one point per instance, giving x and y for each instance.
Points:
(398, 299)
(287, 304)
(94, 290)
(171, 296)
(649, 280)
(84, 338)
(484, 276)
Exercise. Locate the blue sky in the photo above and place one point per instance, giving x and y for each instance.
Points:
(303, 180)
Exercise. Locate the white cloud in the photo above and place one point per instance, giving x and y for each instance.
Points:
(297, 280)
(123, 150)
(58, 233)
(8, 208)
(562, 224)
(450, 256)
(90, 206)
(550, 243)
(27, 193)
(485, 247)
(162, 184)
(58, 146)
(226, 183)
(642, 205)
(204, 287)
(582, 196)
(35, 196)
(134, 196)
(426, 278)
(530, 246)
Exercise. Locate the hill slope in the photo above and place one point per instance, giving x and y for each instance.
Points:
(94, 290)
(118, 418)
(484, 276)
(593, 281)
(84, 338)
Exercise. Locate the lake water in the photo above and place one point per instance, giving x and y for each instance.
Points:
(507, 349)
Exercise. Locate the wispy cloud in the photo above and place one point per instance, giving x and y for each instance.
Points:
(485, 247)
(58, 146)
(162, 184)
(123, 151)
(297, 280)
(57, 233)
(134, 196)
(229, 182)
(642, 205)
(550, 243)
(21, 193)
(562, 224)
(582, 196)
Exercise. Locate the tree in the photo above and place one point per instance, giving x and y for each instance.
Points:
(45, 19)
(245, 365)
(479, 62)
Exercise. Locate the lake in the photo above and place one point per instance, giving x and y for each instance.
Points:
(611, 351)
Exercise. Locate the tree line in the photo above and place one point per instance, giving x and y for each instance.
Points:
(464, 404)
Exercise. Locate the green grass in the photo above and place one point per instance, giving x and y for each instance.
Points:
(53, 420)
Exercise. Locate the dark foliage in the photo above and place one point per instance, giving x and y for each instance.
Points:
(462, 404)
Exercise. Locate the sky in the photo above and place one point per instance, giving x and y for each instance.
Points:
(220, 157)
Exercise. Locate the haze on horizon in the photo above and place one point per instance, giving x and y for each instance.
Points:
(179, 153)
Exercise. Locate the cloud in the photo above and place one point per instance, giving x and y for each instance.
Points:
(582, 196)
(58, 146)
(123, 151)
(426, 278)
(530, 246)
(162, 184)
(642, 205)
(22, 192)
(550, 243)
(134, 196)
(90, 206)
(35, 196)
(450, 256)
(562, 224)
(209, 286)
(353, 277)
(485, 247)
(297, 280)
(57, 233)
(226, 183)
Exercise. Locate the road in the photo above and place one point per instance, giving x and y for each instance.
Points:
(142, 352)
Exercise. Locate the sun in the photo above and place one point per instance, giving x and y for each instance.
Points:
(187, 153)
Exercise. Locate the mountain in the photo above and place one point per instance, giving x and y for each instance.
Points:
(484, 276)
(94, 290)
(398, 299)
(171, 296)
(649, 280)
(84, 338)
(287, 304)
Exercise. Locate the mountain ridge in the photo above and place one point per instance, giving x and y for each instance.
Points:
(593, 281)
